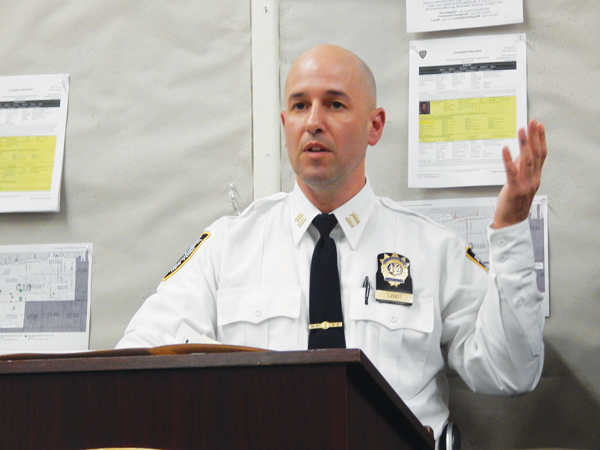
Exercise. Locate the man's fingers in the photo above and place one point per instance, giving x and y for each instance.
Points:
(509, 164)
(533, 149)
(543, 148)
(523, 175)
(527, 157)
(537, 144)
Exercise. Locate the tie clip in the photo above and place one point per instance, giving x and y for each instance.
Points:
(324, 325)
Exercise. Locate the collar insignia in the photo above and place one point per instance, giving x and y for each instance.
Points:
(300, 219)
(353, 219)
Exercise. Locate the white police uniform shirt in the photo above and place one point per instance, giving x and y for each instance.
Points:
(247, 284)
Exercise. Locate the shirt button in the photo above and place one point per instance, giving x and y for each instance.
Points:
(520, 301)
(502, 242)
(393, 319)
(502, 258)
(257, 313)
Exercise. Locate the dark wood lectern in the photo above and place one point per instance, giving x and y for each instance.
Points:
(318, 399)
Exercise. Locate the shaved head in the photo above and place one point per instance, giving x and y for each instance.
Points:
(335, 55)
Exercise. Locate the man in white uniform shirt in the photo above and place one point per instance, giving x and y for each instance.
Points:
(246, 280)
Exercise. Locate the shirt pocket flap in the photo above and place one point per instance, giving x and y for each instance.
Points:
(257, 304)
(418, 316)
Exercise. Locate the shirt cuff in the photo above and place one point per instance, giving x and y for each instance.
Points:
(511, 248)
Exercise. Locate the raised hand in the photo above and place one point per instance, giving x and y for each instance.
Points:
(523, 176)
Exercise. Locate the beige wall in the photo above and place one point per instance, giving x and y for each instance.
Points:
(159, 123)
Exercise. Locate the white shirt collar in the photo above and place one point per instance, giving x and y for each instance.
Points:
(352, 216)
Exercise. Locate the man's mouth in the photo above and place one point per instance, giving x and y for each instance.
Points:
(315, 148)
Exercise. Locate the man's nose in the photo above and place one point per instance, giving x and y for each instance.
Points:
(315, 123)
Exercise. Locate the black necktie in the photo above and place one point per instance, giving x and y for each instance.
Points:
(326, 322)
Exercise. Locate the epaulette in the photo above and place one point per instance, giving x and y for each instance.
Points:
(263, 203)
(397, 207)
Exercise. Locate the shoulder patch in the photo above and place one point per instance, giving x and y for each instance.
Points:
(187, 255)
(473, 257)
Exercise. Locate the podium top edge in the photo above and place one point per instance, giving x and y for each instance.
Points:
(171, 357)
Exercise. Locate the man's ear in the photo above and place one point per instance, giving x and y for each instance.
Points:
(377, 120)
(282, 115)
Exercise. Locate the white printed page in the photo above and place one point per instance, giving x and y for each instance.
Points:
(467, 98)
(470, 217)
(45, 297)
(33, 115)
(435, 15)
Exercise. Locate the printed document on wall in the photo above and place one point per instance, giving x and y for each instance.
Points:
(434, 15)
(45, 293)
(470, 217)
(33, 119)
(467, 99)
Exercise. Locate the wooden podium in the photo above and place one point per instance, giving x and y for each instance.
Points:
(317, 399)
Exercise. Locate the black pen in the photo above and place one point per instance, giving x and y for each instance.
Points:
(367, 287)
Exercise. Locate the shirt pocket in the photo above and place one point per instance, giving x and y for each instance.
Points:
(262, 317)
(397, 338)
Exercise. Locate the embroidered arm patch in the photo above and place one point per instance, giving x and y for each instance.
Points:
(190, 252)
(473, 257)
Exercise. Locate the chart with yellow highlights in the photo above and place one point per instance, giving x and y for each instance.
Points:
(26, 163)
(467, 101)
(33, 120)
(468, 119)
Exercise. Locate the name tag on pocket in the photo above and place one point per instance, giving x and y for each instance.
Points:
(393, 282)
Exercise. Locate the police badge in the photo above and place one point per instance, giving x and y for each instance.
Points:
(394, 283)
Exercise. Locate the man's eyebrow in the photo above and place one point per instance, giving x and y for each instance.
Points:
(329, 93)
(334, 93)
(296, 95)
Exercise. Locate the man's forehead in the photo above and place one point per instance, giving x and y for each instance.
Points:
(328, 70)
(323, 81)
(332, 70)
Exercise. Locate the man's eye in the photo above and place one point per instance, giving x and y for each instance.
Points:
(336, 105)
(298, 106)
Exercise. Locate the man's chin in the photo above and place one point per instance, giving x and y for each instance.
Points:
(315, 178)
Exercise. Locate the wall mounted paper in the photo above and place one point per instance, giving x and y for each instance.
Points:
(467, 98)
(469, 217)
(434, 15)
(45, 293)
(33, 118)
